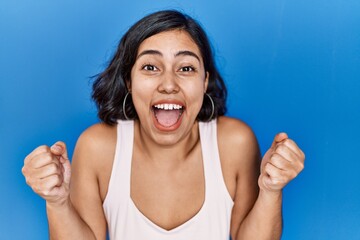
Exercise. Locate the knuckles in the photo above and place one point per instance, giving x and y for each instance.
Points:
(28, 181)
(24, 170)
(302, 155)
(43, 173)
(293, 174)
(275, 157)
(285, 163)
(56, 179)
(36, 188)
(47, 157)
(53, 168)
(43, 188)
(43, 148)
(281, 148)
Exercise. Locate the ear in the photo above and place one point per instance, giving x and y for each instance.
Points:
(206, 82)
(128, 85)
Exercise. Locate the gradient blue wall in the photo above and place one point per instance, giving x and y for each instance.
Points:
(290, 66)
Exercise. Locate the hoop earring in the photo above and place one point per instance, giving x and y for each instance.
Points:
(212, 107)
(123, 106)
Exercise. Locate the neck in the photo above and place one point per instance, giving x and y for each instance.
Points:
(169, 155)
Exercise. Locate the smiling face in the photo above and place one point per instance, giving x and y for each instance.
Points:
(168, 82)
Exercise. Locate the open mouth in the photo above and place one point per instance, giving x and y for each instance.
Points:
(168, 114)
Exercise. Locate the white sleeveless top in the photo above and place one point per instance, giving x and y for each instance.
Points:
(126, 222)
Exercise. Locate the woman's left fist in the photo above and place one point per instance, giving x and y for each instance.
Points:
(281, 163)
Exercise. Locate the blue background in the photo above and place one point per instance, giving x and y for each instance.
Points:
(290, 66)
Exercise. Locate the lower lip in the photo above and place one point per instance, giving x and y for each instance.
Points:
(167, 129)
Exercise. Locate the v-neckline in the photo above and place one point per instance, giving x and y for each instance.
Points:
(175, 229)
(194, 217)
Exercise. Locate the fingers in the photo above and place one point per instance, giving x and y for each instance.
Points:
(37, 177)
(282, 163)
(46, 186)
(289, 151)
(66, 171)
(47, 171)
(43, 155)
(59, 148)
(41, 160)
(282, 138)
(274, 179)
(278, 139)
(37, 151)
(279, 167)
(294, 147)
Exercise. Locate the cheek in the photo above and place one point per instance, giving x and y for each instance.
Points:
(195, 96)
(141, 83)
(141, 97)
(140, 86)
(195, 88)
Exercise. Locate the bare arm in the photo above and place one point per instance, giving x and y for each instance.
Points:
(48, 172)
(240, 157)
(255, 185)
(66, 223)
(92, 160)
(264, 220)
(282, 163)
(74, 209)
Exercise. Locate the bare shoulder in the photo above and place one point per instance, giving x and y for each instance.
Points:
(240, 161)
(234, 133)
(93, 157)
(99, 133)
(96, 142)
(239, 152)
(94, 153)
(90, 173)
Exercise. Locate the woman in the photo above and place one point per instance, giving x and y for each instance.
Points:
(164, 163)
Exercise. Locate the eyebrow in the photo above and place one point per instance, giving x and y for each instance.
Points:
(149, 52)
(180, 53)
(187, 53)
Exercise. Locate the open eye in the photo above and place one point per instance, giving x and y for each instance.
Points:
(149, 67)
(187, 69)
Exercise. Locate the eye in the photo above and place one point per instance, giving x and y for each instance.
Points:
(187, 69)
(149, 67)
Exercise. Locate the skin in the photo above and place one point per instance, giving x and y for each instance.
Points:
(167, 180)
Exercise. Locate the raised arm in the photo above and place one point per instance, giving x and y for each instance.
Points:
(255, 185)
(73, 202)
(281, 163)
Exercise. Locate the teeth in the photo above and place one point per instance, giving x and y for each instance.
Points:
(168, 106)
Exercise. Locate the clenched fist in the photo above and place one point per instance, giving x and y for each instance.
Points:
(47, 171)
(281, 163)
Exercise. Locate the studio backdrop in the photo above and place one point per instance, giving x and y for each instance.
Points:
(290, 66)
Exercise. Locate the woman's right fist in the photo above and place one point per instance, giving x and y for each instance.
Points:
(47, 171)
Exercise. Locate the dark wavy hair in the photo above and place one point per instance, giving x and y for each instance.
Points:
(109, 87)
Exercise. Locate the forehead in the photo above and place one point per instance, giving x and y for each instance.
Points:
(170, 42)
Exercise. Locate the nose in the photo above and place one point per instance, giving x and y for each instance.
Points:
(168, 83)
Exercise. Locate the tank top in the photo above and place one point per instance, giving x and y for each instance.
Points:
(126, 222)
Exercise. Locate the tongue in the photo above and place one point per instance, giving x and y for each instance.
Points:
(167, 118)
